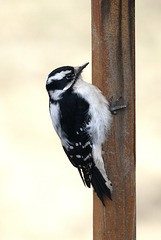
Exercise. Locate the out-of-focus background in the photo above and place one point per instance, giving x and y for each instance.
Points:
(41, 194)
(148, 76)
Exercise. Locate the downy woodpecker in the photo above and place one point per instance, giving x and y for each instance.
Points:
(81, 116)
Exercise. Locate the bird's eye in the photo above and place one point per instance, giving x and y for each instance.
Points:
(69, 76)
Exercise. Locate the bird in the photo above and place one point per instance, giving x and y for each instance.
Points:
(82, 117)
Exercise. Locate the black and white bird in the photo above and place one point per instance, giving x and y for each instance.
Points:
(81, 116)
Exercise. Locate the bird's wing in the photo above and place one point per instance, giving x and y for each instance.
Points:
(74, 120)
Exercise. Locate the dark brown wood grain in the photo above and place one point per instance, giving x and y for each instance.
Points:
(113, 71)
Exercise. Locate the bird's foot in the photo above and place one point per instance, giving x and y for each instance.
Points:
(113, 108)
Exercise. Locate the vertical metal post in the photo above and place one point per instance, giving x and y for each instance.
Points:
(113, 71)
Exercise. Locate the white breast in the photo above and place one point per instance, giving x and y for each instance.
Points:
(55, 116)
(98, 109)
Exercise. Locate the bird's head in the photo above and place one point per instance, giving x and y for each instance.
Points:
(63, 77)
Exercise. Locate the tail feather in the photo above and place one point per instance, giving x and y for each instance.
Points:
(99, 185)
(98, 190)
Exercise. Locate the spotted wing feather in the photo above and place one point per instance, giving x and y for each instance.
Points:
(74, 119)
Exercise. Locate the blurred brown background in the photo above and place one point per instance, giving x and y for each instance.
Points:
(41, 194)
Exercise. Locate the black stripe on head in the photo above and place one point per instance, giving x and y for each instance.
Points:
(59, 78)
(57, 85)
(60, 69)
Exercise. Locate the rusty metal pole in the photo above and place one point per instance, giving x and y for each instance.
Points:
(113, 71)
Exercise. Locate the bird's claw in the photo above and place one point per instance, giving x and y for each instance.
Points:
(112, 105)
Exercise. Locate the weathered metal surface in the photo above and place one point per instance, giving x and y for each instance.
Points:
(113, 71)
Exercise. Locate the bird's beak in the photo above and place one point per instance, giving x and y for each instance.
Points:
(78, 70)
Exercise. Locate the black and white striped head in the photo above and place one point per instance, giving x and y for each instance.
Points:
(63, 77)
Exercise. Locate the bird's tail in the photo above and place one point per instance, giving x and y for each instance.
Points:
(99, 184)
